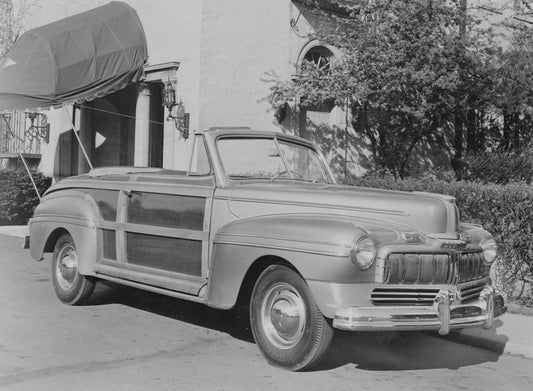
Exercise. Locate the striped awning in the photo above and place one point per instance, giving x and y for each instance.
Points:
(78, 58)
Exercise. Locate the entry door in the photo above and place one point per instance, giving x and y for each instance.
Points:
(163, 233)
(166, 231)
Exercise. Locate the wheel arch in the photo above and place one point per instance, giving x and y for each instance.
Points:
(85, 239)
(53, 238)
(234, 271)
(253, 273)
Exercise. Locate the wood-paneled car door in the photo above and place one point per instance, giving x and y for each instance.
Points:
(163, 232)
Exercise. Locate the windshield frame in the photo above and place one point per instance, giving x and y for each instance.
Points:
(330, 179)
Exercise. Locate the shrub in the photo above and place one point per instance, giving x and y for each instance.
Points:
(504, 210)
(17, 195)
(499, 167)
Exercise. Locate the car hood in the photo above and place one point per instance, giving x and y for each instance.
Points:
(431, 214)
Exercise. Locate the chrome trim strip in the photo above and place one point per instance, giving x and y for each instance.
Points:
(189, 189)
(418, 293)
(466, 285)
(283, 248)
(335, 244)
(65, 219)
(181, 189)
(311, 204)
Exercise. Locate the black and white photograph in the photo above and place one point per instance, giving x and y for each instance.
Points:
(266, 194)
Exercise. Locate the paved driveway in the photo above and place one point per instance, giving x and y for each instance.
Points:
(127, 339)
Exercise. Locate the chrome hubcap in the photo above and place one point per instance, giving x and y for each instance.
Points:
(283, 316)
(67, 267)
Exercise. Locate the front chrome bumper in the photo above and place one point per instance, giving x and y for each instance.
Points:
(445, 314)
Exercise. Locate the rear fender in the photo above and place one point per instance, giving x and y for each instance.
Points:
(72, 212)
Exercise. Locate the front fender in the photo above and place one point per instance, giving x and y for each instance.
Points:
(317, 246)
(72, 211)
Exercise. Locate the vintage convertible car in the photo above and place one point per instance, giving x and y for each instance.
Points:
(259, 219)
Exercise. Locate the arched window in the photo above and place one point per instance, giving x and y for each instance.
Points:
(319, 57)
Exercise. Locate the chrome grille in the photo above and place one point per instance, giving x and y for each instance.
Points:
(470, 266)
(434, 268)
(403, 296)
(470, 292)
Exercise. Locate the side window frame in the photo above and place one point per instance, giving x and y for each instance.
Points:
(199, 138)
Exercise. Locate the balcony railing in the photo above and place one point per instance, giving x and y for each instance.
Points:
(18, 134)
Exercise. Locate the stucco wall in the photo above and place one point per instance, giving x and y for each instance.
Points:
(225, 49)
(242, 40)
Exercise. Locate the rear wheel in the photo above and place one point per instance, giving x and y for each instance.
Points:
(287, 325)
(70, 286)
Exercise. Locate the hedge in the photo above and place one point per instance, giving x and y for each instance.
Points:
(17, 195)
(504, 210)
(499, 167)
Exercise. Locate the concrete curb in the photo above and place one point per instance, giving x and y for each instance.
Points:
(515, 308)
(511, 334)
(18, 231)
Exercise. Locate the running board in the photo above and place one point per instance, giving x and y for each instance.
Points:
(176, 282)
(162, 291)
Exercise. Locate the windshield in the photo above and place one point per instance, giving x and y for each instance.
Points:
(244, 158)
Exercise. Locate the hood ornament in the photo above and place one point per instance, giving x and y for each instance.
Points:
(464, 236)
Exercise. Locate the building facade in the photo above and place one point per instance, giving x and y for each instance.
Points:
(217, 54)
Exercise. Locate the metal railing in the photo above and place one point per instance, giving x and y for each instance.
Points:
(17, 133)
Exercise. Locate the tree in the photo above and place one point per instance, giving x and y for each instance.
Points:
(512, 95)
(12, 20)
(405, 71)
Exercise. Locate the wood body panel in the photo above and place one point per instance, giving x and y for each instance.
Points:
(166, 210)
(164, 253)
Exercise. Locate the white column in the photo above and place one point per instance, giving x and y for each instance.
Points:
(142, 127)
(169, 132)
(86, 136)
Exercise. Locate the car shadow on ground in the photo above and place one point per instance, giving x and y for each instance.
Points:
(390, 351)
(234, 322)
(372, 351)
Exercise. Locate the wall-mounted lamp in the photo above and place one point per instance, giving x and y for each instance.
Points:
(41, 131)
(176, 110)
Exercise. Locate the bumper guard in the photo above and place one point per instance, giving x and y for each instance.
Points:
(445, 314)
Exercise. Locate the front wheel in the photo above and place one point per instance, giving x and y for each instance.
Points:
(287, 325)
(70, 286)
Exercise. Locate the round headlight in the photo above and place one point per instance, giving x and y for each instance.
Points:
(490, 250)
(363, 252)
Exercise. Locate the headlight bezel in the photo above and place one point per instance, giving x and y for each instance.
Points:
(490, 250)
(361, 244)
